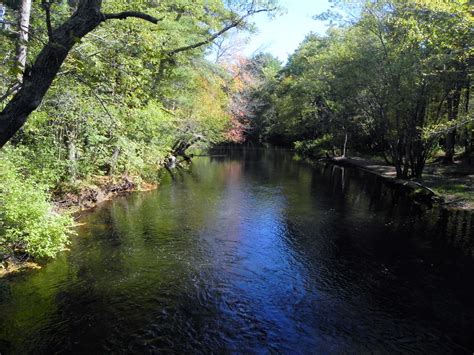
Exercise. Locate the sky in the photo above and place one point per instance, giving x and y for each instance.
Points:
(282, 34)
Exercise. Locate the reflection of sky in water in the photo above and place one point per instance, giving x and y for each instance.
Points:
(252, 251)
(261, 277)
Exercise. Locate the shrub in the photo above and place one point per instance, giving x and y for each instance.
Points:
(316, 147)
(28, 223)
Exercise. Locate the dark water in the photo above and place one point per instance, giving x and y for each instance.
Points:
(253, 252)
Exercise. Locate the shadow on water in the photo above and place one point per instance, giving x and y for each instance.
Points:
(253, 251)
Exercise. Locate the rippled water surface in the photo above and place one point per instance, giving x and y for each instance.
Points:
(254, 252)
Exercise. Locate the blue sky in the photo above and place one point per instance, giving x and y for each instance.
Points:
(281, 35)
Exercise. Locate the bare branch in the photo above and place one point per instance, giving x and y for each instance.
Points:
(99, 99)
(231, 25)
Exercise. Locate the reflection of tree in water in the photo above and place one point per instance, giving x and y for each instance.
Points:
(246, 245)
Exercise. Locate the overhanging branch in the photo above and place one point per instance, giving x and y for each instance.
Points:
(126, 14)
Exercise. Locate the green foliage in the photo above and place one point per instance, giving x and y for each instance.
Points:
(316, 147)
(27, 223)
(119, 106)
(394, 79)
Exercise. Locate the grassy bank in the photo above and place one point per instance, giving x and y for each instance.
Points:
(449, 185)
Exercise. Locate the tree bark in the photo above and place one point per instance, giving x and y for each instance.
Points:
(37, 81)
(23, 29)
(453, 108)
(72, 155)
(113, 161)
(469, 142)
(73, 5)
(344, 148)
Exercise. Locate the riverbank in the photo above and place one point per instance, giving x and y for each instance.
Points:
(100, 189)
(449, 185)
(85, 197)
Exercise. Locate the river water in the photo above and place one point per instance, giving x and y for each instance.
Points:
(254, 252)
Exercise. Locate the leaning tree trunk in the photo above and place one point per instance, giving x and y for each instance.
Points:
(37, 81)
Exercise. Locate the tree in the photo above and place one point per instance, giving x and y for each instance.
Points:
(393, 79)
(253, 81)
(23, 29)
(118, 107)
(87, 17)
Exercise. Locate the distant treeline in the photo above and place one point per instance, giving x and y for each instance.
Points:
(390, 78)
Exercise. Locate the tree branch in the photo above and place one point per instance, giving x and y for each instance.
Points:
(126, 14)
(37, 82)
(99, 99)
(11, 90)
(231, 25)
(46, 5)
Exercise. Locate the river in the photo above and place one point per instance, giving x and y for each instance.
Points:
(252, 251)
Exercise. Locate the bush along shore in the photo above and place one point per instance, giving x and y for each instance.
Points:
(36, 223)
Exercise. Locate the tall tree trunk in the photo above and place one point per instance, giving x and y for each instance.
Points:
(23, 30)
(113, 161)
(449, 147)
(469, 142)
(344, 148)
(453, 107)
(72, 155)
